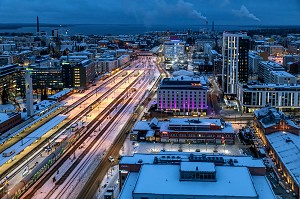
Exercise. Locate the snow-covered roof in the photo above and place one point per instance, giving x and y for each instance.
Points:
(183, 73)
(194, 121)
(44, 106)
(64, 47)
(263, 187)
(61, 93)
(287, 147)
(154, 121)
(142, 125)
(129, 185)
(226, 128)
(269, 116)
(198, 166)
(166, 181)
(3, 117)
(148, 158)
(150, 133)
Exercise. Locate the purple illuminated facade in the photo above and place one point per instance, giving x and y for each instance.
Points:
(183, 95)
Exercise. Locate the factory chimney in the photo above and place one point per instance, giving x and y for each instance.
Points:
(37, 24)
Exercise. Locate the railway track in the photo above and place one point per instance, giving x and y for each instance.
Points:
(83, 154)
(91, 187)
(69, 123)
(91, 126)
(110, 125)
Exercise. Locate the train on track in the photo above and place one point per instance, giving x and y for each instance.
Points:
(40, 169)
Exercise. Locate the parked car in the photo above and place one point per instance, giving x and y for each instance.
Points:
(111, 159)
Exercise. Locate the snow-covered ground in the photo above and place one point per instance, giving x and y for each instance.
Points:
(76, 184)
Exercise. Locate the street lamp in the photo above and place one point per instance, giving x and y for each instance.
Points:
(189, 145)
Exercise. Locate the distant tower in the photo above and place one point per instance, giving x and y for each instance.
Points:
(29, 94)
(37, 24)
(213, 26)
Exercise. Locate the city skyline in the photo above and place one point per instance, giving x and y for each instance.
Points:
(179, 12)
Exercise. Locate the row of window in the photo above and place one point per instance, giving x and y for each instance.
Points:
(182, 92)
(208, 135)
(198, 176)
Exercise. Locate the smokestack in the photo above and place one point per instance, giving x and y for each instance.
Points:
(37, 24)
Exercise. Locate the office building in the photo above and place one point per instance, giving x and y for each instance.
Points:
(174, 49)
(46, 74)
(8, 79)
(79, 74)
(235, 61)
(253, 96)
(265, 68)
(183, 95)
(282, 77)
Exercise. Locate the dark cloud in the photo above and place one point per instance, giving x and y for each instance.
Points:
(150, 12)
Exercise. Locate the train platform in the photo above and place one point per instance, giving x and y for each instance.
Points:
(28, 144)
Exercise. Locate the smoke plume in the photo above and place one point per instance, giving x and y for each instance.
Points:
(244, 12)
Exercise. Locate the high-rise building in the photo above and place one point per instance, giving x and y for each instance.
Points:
(235, 61)
(174, 49)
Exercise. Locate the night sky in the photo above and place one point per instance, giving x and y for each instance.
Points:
(152, 12)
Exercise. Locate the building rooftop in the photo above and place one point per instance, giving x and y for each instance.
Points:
(283, 74)
(224, 127)
(148, 158)
(184, 73)
(166, 181)
(129, 185)
(272, 64)
(287, 147)
(273, 87)
(198, 166)
(269, 116)
(6, 116)
(195, 121)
